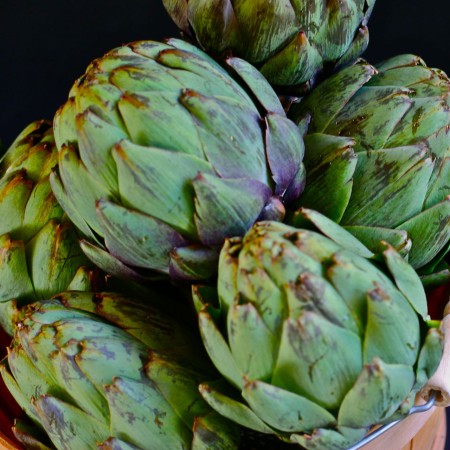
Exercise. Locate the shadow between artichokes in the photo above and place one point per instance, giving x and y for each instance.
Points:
(162, 155)
(318, 339)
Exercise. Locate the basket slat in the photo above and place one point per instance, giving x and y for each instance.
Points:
(6, 444)
(422, 431)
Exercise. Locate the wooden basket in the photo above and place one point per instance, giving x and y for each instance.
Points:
(422, 431)
(6, 444)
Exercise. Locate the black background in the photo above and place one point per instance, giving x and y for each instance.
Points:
(45, 45)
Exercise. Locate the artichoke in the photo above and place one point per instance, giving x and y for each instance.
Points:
(290, 42)
(378, 156)
(320, 340)
(163, 155)
(40, 254)
(105, 371)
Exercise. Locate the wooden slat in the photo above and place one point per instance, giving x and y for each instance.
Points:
(6, 444)
(441, 432)
(422, 431)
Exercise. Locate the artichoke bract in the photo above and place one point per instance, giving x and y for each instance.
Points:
(105, 371)
(163, 155)
(378, 156)
(290, 42)
(40, 253)
(321, 341)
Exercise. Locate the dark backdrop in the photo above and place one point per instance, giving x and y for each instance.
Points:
(47, 44)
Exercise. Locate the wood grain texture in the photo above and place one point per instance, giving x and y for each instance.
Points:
(6, 444)
(422, 431)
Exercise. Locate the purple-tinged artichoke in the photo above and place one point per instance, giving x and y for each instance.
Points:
(163, 155)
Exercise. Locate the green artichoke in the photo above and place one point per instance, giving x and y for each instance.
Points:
(378, 156)
(320, 341)
(290, 42)
(40, 254)
(163, 155)
(104, 371)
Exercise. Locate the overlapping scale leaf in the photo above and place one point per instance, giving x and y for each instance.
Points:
(107, 370)
(291, 42)
(391, 184)
(41, 254)
(318, 337)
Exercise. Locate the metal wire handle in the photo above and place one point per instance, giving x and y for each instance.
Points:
(379, 431)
